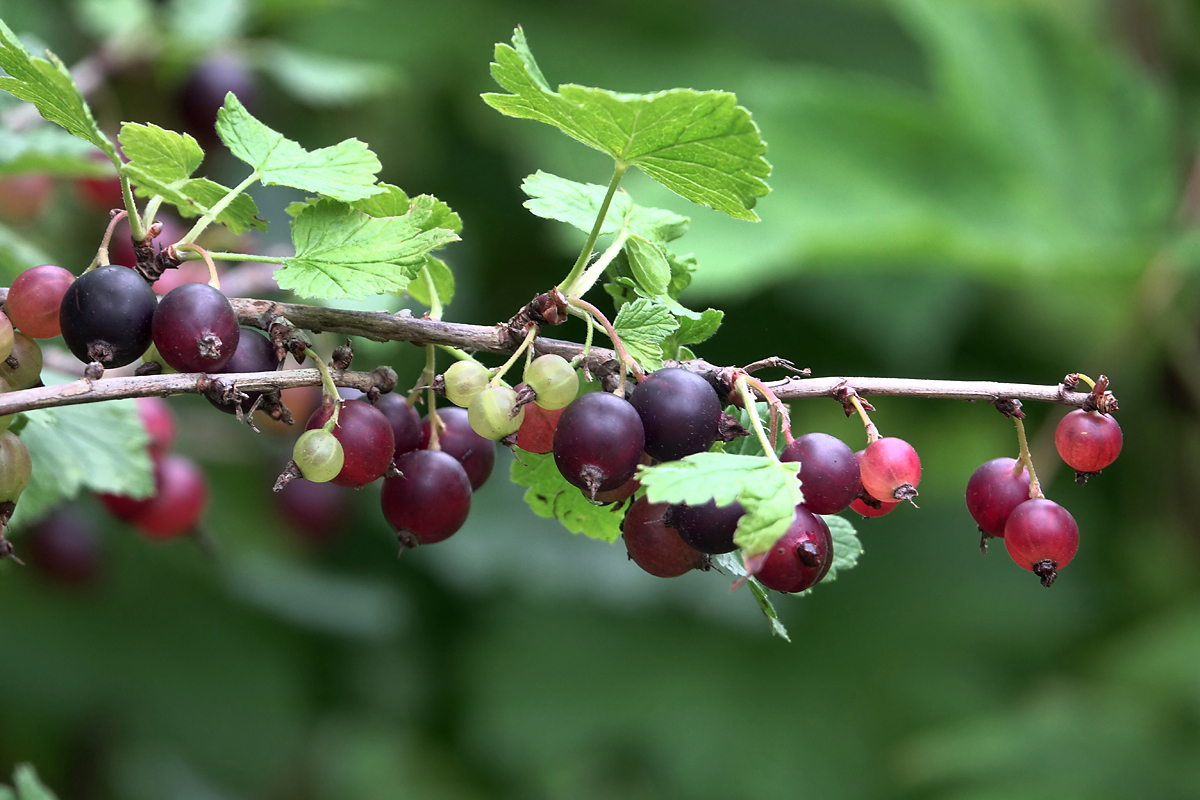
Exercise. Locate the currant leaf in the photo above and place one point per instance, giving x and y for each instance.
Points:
(393, 202)
(49, 150)
(847, 547)
(769, 491)
(28, 785)
(345, 171)
(643, 326)
(578, 205)
(443, 281)
(648, 264)
(732, 563)
(344, 253)
(321, 80)
(18, 254)
(549, 495)
(701, 145)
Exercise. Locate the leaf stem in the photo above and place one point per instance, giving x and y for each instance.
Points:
(214, 280)
(101, 259)
(151, 212)
(136, 230)
(1035, 486)
(220, 255)
(872, 431)
(435, 301)
(531, 333)
(216, 210)
(749, 403)
(777, 407)
(431, 399)
(586, 252)
(329, 387)
(593, 272)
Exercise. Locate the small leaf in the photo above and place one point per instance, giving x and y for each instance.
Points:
(694, 331)
(194, 196)
(322, 80)
(578, 204)
(165, 156)
(769, 491)
(49, 150)
(393, 202)
(29, 786)
(648, 264)
(750, 445)
(51, 89)
(345, 171)
(204, 23)
(443, 281)
(700, 145)
(733, 564)
(643, 326)
(344, 253)
(549, 495)
(847, 547)
(18, 254)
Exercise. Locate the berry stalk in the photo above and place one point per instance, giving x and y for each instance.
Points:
(1025, 459)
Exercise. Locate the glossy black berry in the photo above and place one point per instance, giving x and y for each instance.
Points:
(708, 528)
(680, 412)
(106, 316)
(598, 442)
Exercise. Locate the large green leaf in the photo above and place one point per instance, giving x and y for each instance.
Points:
(549, 495)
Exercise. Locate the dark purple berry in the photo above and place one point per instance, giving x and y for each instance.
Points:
(430, 501)
(801, 557)
(680, 413)
(366, 437)
(254, 353)
(598, 442)
(708, 528)
(404, 419)
(829, 475)
(317, 512)
(476, 454)
(65, 547)
(106, 316)
(195, 329)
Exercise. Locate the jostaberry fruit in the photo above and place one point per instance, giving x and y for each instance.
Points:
(994, 491)
(34, 300)
(367, 441)
(1042, 537)
(476, 454)
(195, 329)
(655, 547)
(1088, 440)
(106, 316)
(708, 528)
(680, 413)
(890, 470)
(801, 557)
(430, 500)
(599, 442)
(829, 474)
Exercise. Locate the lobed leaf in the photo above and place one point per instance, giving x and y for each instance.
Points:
(345, 171)
(160, 154)
(643, 326)
(322, 80)
(701, 145)
(648, 264)
(393, 202)
(549, 495)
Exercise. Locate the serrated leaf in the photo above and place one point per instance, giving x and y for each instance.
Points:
(49, 150)
(29, 786)
(99, 447)
(51, 89)
(750, 445)
(443, 282)
(643, 326)
(160, 154)
(648, 264)
(549, 495)
(322, 80)
(733, 564)
(682, 268)
(700, 145)
(345, 171)
(847, 547)
(693, 330)
(393, 202)
(344, 253)
(578, 204)
(768, 490)
(193, 197)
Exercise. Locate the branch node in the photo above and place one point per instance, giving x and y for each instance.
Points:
(844, 394)
(342, 356)
(1008, 406)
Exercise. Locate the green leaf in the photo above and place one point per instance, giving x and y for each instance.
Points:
(29, 786)
(7, 793)
(648, 264)
(345, 171)
(322, 80)
(443, 281)
(205, 23)
(694, 330)
(578, 204)
(700, 145)
(643, 326)
(768, 490)
(344, 253)
(157, 153)
(98, 447)
(733, 564)
(847, 547)
(18, 254)
(105, 19)
(549, 495)
(197, 195)
(750, 445)
(393, 202)
(49, 150)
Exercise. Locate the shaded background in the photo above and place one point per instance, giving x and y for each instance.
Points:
(961, 190)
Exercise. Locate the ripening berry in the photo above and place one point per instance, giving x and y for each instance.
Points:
(318, 455)
(553, 379)
(494, 414)
(1042, 537)
(430, 500)
(654, 546)
(801, 557)
(367, 442)
(994, 491)
(34, 300)
(829, 475)
(598, 443)
(890, 470)
(464, 380)
(1088, 440)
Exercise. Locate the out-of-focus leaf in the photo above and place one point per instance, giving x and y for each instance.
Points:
(107, 18)
(29, 785)
(50, 150)
(443, 282)
(17, 254)
(207, 22)
(322, 80)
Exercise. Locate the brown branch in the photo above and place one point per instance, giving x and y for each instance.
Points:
(987, 391)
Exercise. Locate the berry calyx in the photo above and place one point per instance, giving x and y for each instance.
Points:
(494, 413)
(598, 443)
(34, 300)
(709, 527)
(859, 506)
(801, 557)
(829, 474)
(430, 500)
(366, 437)
(106, 316)
(890, 470)
(553, 379)
(464, 380)
(476, 454)
(195, 328)
(656, 547)
(1088, 440)
(1042, 537)
(993, 493)
(318, 455)
(680, 413)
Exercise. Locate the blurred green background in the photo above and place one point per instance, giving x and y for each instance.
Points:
(984, 190)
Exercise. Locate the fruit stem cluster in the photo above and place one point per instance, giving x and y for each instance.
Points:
(328, 385)
(1026, 460)
(214, 280)
(872, 431)
(531, 333)
(101, 259)
(756, 423)
(587, 308)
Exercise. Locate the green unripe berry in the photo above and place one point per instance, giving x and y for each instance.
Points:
(464, 380)
(29, 363)
(491, 413)
(318, 455)
(553, 379)
(15, 467)
(6, 337)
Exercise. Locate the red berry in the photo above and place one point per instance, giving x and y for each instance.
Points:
(860, 507)
(829, 475)
(181, 494)
(159, 422)
(536, 434)
(404, 419)
(994, 491)
(1088, 440)
(195, 329)
(476, 454)
(430, 500)
(801, 557)
(598, 443)
(366, 437)
(317, 512)
(35, 298)
(23, 197)
(890, 470)
(655, 547)
(1042, 537)
(65, 547)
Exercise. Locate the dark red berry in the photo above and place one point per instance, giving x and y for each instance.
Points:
(801, 557)
(680, 413)
(536, 434)
(195, 329)
(1087, 440)
(204, 92)
(159, 422)
(366, 437)
(317, 512)
(829, 475)
(65, 547)
(34, 300)
(860, 507)
(106, 316)
(890, 470)
(404, 419)
(599, 442)
(430, 501)
(708, 528)
(476, 454)
(994, 490)
(102, 194)
(181, 494)
(655, 547)
(1042, 537)
(254, 353)
(23, 198)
